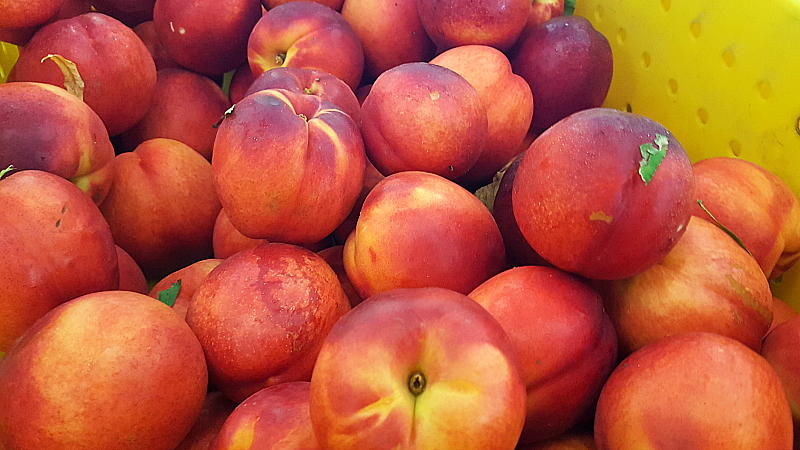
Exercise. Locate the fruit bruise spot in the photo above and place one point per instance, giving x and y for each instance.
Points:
(602, 216)
(373, 256)
(748, 299)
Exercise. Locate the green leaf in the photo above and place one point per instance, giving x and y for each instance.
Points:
(652, 157)
(226, 82)
(569, 7)
(169, 295)
(5, 171)
(487, 193)
(730, 233)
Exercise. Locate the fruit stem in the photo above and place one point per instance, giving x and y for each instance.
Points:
(6, 170)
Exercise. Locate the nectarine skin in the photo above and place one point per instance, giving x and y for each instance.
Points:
(47, 128)
(564, 340)
(227, 240)
(308, 35)
(261, 316)
(190, 278)
(272, 418)
(56, 246)
(693, 390)
(451, 23)
(111, 369)
(568, 65)
(312, 82)
(27, 14)
(421, 116)
(518, 251)
(185, 107)
(417, 369)
(582, 204)
(306, 157)
(508, 102)
(390, 32)
(417, 229)
(162, 206)
(206, 37)
(706, 283)
(781, 348)
(755, 205)
(112, 61)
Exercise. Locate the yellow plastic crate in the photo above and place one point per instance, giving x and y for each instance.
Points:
(8, 56)
(723, 77)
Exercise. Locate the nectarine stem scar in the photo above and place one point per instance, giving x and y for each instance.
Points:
(416, 383)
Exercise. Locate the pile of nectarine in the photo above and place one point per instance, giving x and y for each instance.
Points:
(369, 224)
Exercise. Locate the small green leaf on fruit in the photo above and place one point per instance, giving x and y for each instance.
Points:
(652, 157)
(169, 295)
(569, 7)
(730, 233)
(73, 82)
(224, 115)
(5, 171)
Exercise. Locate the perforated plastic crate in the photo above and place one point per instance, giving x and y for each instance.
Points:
(723, 77)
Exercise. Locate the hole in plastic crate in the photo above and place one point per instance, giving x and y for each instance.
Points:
(628, 108)
(695, 29)
(646, 60)
(728, 58)
(702, 114)
(797, 126)
(673, 86)
(736, 147)
(622, 35)
(665, 4)
(598, 12)
(764, 89)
